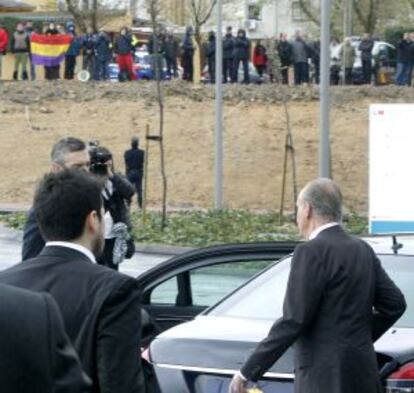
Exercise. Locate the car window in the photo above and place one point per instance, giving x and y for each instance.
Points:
(253, 300)
(165, 293)
(211, 283)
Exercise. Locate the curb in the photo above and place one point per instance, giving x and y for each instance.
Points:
(17, 236)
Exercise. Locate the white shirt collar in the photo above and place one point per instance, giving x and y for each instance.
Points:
(318, 230)
(73, 246)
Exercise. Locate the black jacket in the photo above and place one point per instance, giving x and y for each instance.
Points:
(118, 203)
(339, 300)
(228, 47)
(134, 163)
(285, 53)
(171, 48)
(33, 242)
(366, 47)
(210, 49)
(404, 51)
(36, 355)
(241, 48)
(100, 309)
(123, 45)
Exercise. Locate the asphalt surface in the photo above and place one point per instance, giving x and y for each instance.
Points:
(10, 254)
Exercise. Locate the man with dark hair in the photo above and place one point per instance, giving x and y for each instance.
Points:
(339, 300)
(66, 153)
(187, 58)
(134, 165)
(228, 55)
(36, 354)
(100, 307)
(171, 53)
(88, 51)
(117, 194)
(366, 46)
(241, 55)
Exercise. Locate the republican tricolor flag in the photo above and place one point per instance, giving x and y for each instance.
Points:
(49, 50)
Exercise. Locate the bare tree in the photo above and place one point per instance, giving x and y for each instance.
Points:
(367, 13)
(76, 12)
(92, 12)
(200, 12)
(154, 10)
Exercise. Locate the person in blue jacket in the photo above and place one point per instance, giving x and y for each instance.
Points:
(72, 53)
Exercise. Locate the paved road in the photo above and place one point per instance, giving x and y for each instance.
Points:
(10, 252)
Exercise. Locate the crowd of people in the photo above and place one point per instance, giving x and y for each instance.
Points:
(274, 58)
(96, 48)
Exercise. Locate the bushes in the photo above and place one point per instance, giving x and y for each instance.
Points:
(394, 34)
(205, 228)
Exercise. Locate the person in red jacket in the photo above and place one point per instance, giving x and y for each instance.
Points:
(260, 58)
(4, 40)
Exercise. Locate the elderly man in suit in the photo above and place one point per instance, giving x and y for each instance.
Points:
(66, 153)
(36, 354)
(100, 307)
(339, 300)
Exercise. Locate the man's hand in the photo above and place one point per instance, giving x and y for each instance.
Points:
(237, 385)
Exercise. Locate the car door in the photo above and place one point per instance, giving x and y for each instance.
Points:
(183, 287)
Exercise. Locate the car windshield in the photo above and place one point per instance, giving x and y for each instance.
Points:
(262, 298)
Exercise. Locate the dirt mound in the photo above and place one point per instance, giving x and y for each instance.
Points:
(38, 92)
(34, 115)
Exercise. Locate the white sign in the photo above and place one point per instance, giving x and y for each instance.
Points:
(391, 168)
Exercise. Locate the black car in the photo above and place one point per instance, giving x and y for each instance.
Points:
(202, 355)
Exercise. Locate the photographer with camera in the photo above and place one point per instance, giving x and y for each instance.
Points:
(117, 193)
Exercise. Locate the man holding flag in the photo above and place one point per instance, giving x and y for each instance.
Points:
(49, 50)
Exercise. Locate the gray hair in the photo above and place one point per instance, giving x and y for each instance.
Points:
(325, 198)
(65, 146)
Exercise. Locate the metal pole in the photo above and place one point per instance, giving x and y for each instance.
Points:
(144, 202)
(218, 158)
(324, 156)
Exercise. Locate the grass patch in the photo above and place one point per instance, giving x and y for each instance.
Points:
(200, 229)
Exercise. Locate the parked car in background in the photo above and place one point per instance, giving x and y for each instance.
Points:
(202, 355)
(384, 57)
(142, 66)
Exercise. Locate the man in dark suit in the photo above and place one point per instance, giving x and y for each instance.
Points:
(66, 153)
(339, 300)
(134, 165)
(36, 355)
(100, 307)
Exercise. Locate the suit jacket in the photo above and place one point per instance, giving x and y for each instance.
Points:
(33, 242)
(100, 309)
(36, 355)
(338, 301)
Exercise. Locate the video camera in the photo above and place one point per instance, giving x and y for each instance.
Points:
(99, 158)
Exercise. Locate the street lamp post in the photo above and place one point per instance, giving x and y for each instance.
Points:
(324, 147)
(218, 157)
